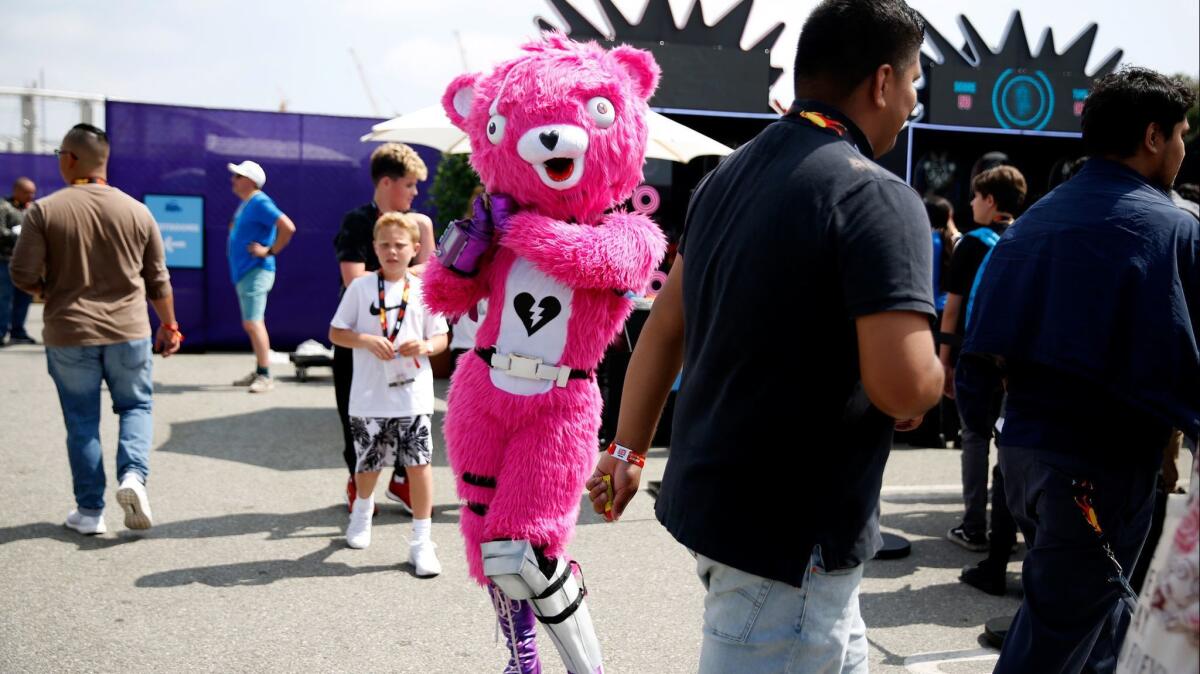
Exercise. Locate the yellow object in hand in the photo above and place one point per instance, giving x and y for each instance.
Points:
(609, 504)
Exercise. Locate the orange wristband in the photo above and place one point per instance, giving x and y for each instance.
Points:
(626, 454)
(172, 327)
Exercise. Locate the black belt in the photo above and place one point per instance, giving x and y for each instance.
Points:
(486, 355)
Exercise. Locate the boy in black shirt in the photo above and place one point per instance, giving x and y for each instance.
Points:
(999, 194)
(395, 170)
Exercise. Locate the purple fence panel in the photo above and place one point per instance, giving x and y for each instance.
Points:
(317, 169)
(41, 168)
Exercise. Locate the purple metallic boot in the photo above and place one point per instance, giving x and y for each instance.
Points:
(518, 624)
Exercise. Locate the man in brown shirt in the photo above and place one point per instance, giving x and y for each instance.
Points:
(96, 255)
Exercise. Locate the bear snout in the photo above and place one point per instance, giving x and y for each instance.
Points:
(556, 153)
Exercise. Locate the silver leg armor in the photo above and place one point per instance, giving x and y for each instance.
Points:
(556, 597)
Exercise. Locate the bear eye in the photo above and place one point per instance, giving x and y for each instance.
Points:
(602, 111)
(495, 129)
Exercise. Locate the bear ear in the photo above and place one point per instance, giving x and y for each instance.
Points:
(641, 68)
(458, 98)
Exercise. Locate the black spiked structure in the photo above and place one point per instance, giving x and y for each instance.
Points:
(704, 67)
(1011, 88)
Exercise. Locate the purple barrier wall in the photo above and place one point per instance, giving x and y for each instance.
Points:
(41, 168)
(316, 170)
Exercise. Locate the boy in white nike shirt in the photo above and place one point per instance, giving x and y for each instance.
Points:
(383, 318)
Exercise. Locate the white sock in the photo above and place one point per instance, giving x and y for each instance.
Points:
(364, 504)
(421, 529)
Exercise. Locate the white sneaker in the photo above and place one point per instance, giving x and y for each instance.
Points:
(261, 384)
(247, 380)
(88, 525)
(423, 558)
(134, 501)
(358, 531)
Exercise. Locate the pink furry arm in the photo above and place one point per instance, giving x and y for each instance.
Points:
(448, 293)
(620, 253)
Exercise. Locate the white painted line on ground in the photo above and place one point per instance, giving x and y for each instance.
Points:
(920, 488)
(930, 663)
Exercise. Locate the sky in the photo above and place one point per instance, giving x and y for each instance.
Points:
(300, 53)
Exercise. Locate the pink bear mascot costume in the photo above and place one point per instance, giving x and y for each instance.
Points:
(558, 136)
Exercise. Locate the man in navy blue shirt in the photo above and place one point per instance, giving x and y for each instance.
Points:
(777, 454)
(1089, 304)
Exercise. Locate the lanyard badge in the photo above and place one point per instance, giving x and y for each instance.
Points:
(400, 310)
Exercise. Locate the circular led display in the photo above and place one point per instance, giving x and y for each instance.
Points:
(1023, 101)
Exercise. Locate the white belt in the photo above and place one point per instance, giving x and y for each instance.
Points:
(525, 367)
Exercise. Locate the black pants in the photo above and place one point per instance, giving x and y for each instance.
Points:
(343, 375)
(1071, 612)
(1004, 527)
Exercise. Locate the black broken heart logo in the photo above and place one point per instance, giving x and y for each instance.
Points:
(534, 318)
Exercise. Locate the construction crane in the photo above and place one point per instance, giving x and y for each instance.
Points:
(362, 76)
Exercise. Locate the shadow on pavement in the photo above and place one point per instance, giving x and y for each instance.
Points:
(948, 604)
(281, 438)
(58, 532)
(320, 523)
(926, 530)
(176, 389)
(312, 565)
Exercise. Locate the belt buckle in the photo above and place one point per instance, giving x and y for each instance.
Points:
(523, 366)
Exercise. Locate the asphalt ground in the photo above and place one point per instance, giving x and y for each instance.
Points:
(246, 569)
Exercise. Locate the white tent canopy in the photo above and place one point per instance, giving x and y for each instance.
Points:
(430, 127)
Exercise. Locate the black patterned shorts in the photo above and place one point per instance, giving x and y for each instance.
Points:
(395, 441)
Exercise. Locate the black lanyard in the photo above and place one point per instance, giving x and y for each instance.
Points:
(400, 310)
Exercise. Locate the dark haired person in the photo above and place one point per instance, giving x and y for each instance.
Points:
(1090, 306)
(96, 256)
(945, 236)
(395, 171)
(998, 193)
(778, 495)
(14, 302)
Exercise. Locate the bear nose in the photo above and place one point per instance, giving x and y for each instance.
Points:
(549, 139)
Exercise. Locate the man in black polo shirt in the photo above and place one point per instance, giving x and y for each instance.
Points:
(395, 170)
(777, 455)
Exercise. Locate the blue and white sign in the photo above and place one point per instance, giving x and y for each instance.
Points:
(181, 222)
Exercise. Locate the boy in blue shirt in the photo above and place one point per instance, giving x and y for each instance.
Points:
(258, 231)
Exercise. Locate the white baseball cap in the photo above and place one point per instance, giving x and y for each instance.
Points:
(250, 170)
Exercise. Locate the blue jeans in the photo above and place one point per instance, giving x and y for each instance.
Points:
(753, 624)
(7, 290)
(20, 309)
(77, 372)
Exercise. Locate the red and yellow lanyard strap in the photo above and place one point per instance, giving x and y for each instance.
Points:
(400, 310)
(1083, 500)
(821, 122)
(89, 181)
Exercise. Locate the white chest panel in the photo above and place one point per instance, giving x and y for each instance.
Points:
(533, 323)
